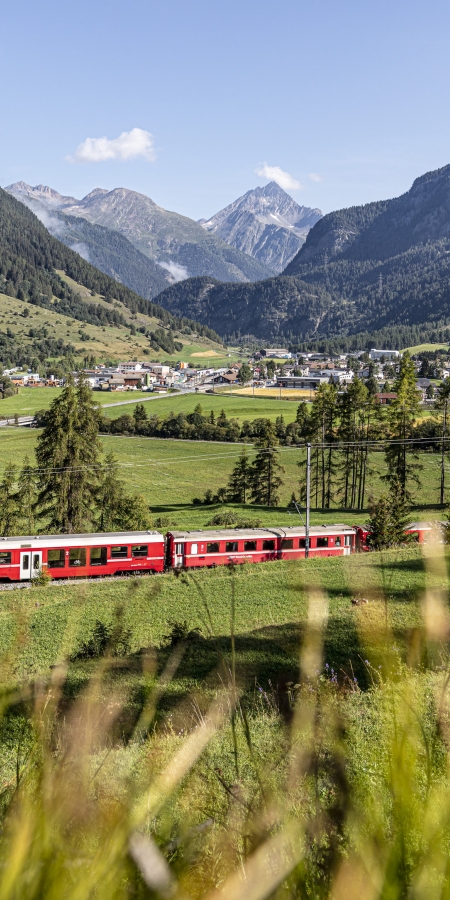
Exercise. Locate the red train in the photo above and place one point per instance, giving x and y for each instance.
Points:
(132, 552)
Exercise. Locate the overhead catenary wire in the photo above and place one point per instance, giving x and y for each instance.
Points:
(338, 446)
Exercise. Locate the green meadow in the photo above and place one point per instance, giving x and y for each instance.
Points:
(170, 473)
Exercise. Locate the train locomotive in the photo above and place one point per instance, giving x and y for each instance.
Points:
(134, 552)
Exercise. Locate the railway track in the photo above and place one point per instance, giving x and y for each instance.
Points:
(60, 582)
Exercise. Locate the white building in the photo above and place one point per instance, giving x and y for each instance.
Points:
(388, 354)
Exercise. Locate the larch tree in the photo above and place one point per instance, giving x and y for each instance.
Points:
(27, 497)
(266, 470)
(401, 461)
(9, 509)
(238, 487)
(442, 403)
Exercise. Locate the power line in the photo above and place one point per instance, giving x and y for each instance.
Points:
(213, 456)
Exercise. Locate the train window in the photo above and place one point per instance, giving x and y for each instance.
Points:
(322, 542)
(268, 545)
(302, 543)
(287, 544)
(231, 546)
(5, 558)
(139, 550)
(347, 540)
(56, 559)
(25, 560)
(249, 545)
(194, 549)
(212, 548)
(119, 552)
(337, 541)
(98, 556)
(77, 556)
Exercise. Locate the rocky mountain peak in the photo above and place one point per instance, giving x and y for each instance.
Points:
(41, 193)
(267, 223)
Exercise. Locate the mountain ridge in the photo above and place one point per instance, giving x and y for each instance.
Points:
(376, 267)
(174, 242)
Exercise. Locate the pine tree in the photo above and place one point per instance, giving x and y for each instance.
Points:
(240, 480)
(401, 417)
(27, 497)
(266, 480)
(67, 456)
(9, 508)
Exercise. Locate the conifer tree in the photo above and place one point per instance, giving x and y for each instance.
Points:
(110, 494)
(238, 487)
(9, 509)
(266, 469)
(442, 403)
(389, 519)
(139, 415)
(401, 416)
(67, 456)
(27, 497)
(322, 425)
(359, 415)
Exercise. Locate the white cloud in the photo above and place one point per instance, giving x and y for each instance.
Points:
(82, 250)
(178, 273)
(52, 224)
(274, 173)
(128, 145)
(315, 177)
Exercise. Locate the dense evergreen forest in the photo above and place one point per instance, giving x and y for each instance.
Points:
(112, 253)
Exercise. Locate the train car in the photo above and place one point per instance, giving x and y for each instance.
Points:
(324, 540)
(421, 532)
(87, 555)
(194, 549)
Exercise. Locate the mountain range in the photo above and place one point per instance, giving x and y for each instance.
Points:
(175, 246)
(384, 265)
(265, 223)
(38, 272)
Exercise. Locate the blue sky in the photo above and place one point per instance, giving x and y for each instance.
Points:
(354, 93)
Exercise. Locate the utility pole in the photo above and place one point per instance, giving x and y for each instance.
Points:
(308, 497)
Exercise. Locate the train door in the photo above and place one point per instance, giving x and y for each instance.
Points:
(178, 560)
(30, 564)
(347, 544)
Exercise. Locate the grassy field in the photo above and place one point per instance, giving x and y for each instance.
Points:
(272, 393)
(171, 473)
(418, 348)
(270, 606)
(29, 400)
(235, 406)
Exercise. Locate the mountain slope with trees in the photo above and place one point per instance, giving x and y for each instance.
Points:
(379, 268)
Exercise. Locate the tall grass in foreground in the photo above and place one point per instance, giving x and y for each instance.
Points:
(313, 788)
